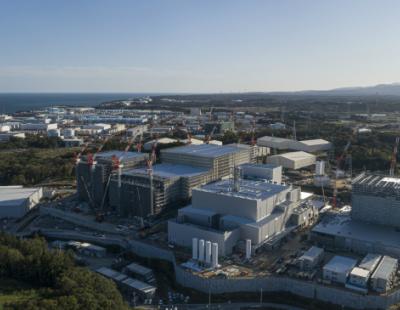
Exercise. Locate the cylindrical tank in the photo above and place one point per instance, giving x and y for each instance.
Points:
(248, 249)
(194, 248)
(214, 255)
(201, 250)
(208, 252)
(320, 167)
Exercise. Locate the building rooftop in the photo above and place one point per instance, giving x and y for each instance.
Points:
(314, 142)
(360, 272)
(262, 166)
(111, 274)
(169, 171)
(249, 189)
(340, 264)
(15, 195)
(138, 285)
(343, 226)
(273, 139)
(385, 268)
(312, 253)
(139, 269)
(377, 181)
(370, 261)
(295, 155)
(203, 150)
(107, 155)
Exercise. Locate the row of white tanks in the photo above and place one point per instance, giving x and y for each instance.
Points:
(205, 252)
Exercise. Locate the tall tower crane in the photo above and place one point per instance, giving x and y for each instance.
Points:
(393, 161)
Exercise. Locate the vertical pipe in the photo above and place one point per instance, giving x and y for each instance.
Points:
(208, 252)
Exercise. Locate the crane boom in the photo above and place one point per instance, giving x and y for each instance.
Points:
(394, 157)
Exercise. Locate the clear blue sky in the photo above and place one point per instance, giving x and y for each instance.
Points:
(197, 46)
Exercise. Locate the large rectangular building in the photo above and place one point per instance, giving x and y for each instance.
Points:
(292, 160)
(226, 212)
(219, 159)
(92, 179)
(376, 200)
(310, 146)
(172, 183)
(15, 201)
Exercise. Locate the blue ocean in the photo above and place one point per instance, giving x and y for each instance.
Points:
(14, 102)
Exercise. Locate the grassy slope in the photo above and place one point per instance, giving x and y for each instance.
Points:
(12, 290)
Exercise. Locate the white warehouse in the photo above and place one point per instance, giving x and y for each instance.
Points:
(15, 201)
(292, 160)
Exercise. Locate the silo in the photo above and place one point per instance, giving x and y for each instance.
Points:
(201, 250)
(248, 249)
(208, 252)
(194, 248)
(214, 255)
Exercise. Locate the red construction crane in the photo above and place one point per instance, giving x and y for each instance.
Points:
(394, 157)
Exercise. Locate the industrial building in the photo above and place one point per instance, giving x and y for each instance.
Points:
(127, 284)
(16, 201)
(311, 258)
(87, 249)
(385, 274)
(219, 159)
(338, 269)
(269, 172)
(218, 127)
(310, 146)
(92, 177)
(140, 272)
(171, 183)
(376, 200)
(339, 231)
(226, 212)
(292, 160)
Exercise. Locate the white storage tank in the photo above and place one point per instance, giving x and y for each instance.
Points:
(248, 249)
(214, 255)
(194, 248)
(320, 167)
(208, 252)
(201, 250)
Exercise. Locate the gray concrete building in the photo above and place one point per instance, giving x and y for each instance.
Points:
(385, 274)
(92, 179)
(376, 200)
(16, 201)
(226, 212)
(172, 183)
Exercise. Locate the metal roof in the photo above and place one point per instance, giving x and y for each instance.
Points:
(204, 150)
(139, 269)
(312, 253)
(169, 171)
(314, 142)
(340, 264)
(370, 261)
(138, 285)
(249, 189)
(125, 155)
(295, 155)
(15, 195)
(385, 268)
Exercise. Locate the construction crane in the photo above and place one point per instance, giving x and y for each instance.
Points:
(209, 136)
(393, 161)
(338, 165)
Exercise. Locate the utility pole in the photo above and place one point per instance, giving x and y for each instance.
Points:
(261, 296)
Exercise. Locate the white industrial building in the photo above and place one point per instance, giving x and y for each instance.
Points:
(385, 274)
(269, 172)
(292, 160)
(311, 258)
(16, 201)
(310, 146)
(338, 269)
(228, 211)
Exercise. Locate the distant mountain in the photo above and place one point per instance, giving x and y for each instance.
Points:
(381, 90)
